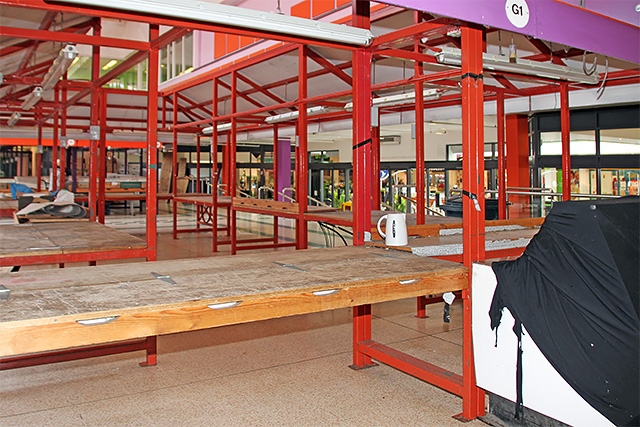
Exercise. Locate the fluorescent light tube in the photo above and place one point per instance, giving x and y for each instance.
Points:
(400, 99)
(293, 115)
(32, 99)
(14, 118)
(109, 64)
(60, 66)
(232, 16)
(453, 56)
(221, 128)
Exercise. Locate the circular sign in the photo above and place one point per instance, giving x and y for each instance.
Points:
(517, 12)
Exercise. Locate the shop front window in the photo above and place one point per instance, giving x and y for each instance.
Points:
(581, 143)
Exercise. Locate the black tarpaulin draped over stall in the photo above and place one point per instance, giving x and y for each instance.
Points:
(575, 289)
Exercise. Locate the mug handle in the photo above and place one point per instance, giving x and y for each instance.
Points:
(384, 236)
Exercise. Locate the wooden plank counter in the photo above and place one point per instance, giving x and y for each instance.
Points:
(42, 311)
(54, 317)
(67, 241)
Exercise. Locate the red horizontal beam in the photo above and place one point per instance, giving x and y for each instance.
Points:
(57, 36)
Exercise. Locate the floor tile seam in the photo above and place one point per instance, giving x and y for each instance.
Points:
(424, 334)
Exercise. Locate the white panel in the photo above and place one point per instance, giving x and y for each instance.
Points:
(544, 390)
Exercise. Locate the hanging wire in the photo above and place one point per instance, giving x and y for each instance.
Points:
(278, 8)
(589, 71)
(500, 43)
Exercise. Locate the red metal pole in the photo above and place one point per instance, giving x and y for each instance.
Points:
(302, 160)
(361, 129)
(231, 142)
(94, 122)
(53, 185)
(502, 162)
(152, 147)
(102, 158)
(214, 169)
(174, 161)
(39, 149)
(566, 141)
(63, 131)
(375, 164)
(473, 183)
(198, 164)
(420, 179)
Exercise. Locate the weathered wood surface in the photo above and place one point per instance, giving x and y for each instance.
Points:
(445, 243)
(32, 239)
(42, 311)
(202, 199)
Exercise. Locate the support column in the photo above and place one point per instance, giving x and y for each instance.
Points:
(419, 111)
(302, 159)
(473, 220)
(152, 146)
(102, 158)
(63, 131)
(214, 169)
(39, 151)
(566, 141)
(375, 161)
(517, 163)
(361, 129)
(53, 183)
(502, 178)
(174, 160)
(94, 123)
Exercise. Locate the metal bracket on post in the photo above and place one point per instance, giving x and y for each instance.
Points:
(94, 133)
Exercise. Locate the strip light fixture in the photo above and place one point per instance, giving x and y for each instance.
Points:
(60, 66)
(15, 117)
(238, 17)
(293, 115)
(221, 128)
(453, 56)
(32, 99)
(400, 99)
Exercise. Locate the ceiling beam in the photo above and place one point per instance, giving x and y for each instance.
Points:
(327, 65)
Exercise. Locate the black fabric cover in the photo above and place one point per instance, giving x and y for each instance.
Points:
(576, 291)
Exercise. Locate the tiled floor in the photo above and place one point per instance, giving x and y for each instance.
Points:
(282, 372)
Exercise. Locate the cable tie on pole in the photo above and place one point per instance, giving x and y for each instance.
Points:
(474, 198)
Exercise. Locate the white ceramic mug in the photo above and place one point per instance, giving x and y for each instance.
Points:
(396, 228)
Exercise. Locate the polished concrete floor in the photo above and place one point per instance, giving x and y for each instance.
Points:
(282, 372)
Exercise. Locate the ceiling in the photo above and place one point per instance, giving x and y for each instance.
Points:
(272, 81)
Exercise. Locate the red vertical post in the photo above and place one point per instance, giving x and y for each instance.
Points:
(419, 89)
(473, 184)
(502, 165)
(302, 159)
(53, 185)
(231, 141)
(198, 164)
(361, 128)
(63, 131)
(39, 149)
(361, 332)
(174, 161)
(214, 167)
(565, 130)
(94, 122)
(375, 163)
(102, 158)
(152, 146)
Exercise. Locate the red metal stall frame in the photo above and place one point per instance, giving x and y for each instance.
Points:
(53, 176)
(94, 121)
(362, 141)
(63, 132)
(152, 148)
(302, 159)
(214, 167)
(565, 130)
(473, 398)
(419, 126)
(502, 166)
(174, 163)
(102, 158)
(231, 145)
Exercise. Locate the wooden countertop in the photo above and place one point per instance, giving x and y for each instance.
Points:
(42, 311)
